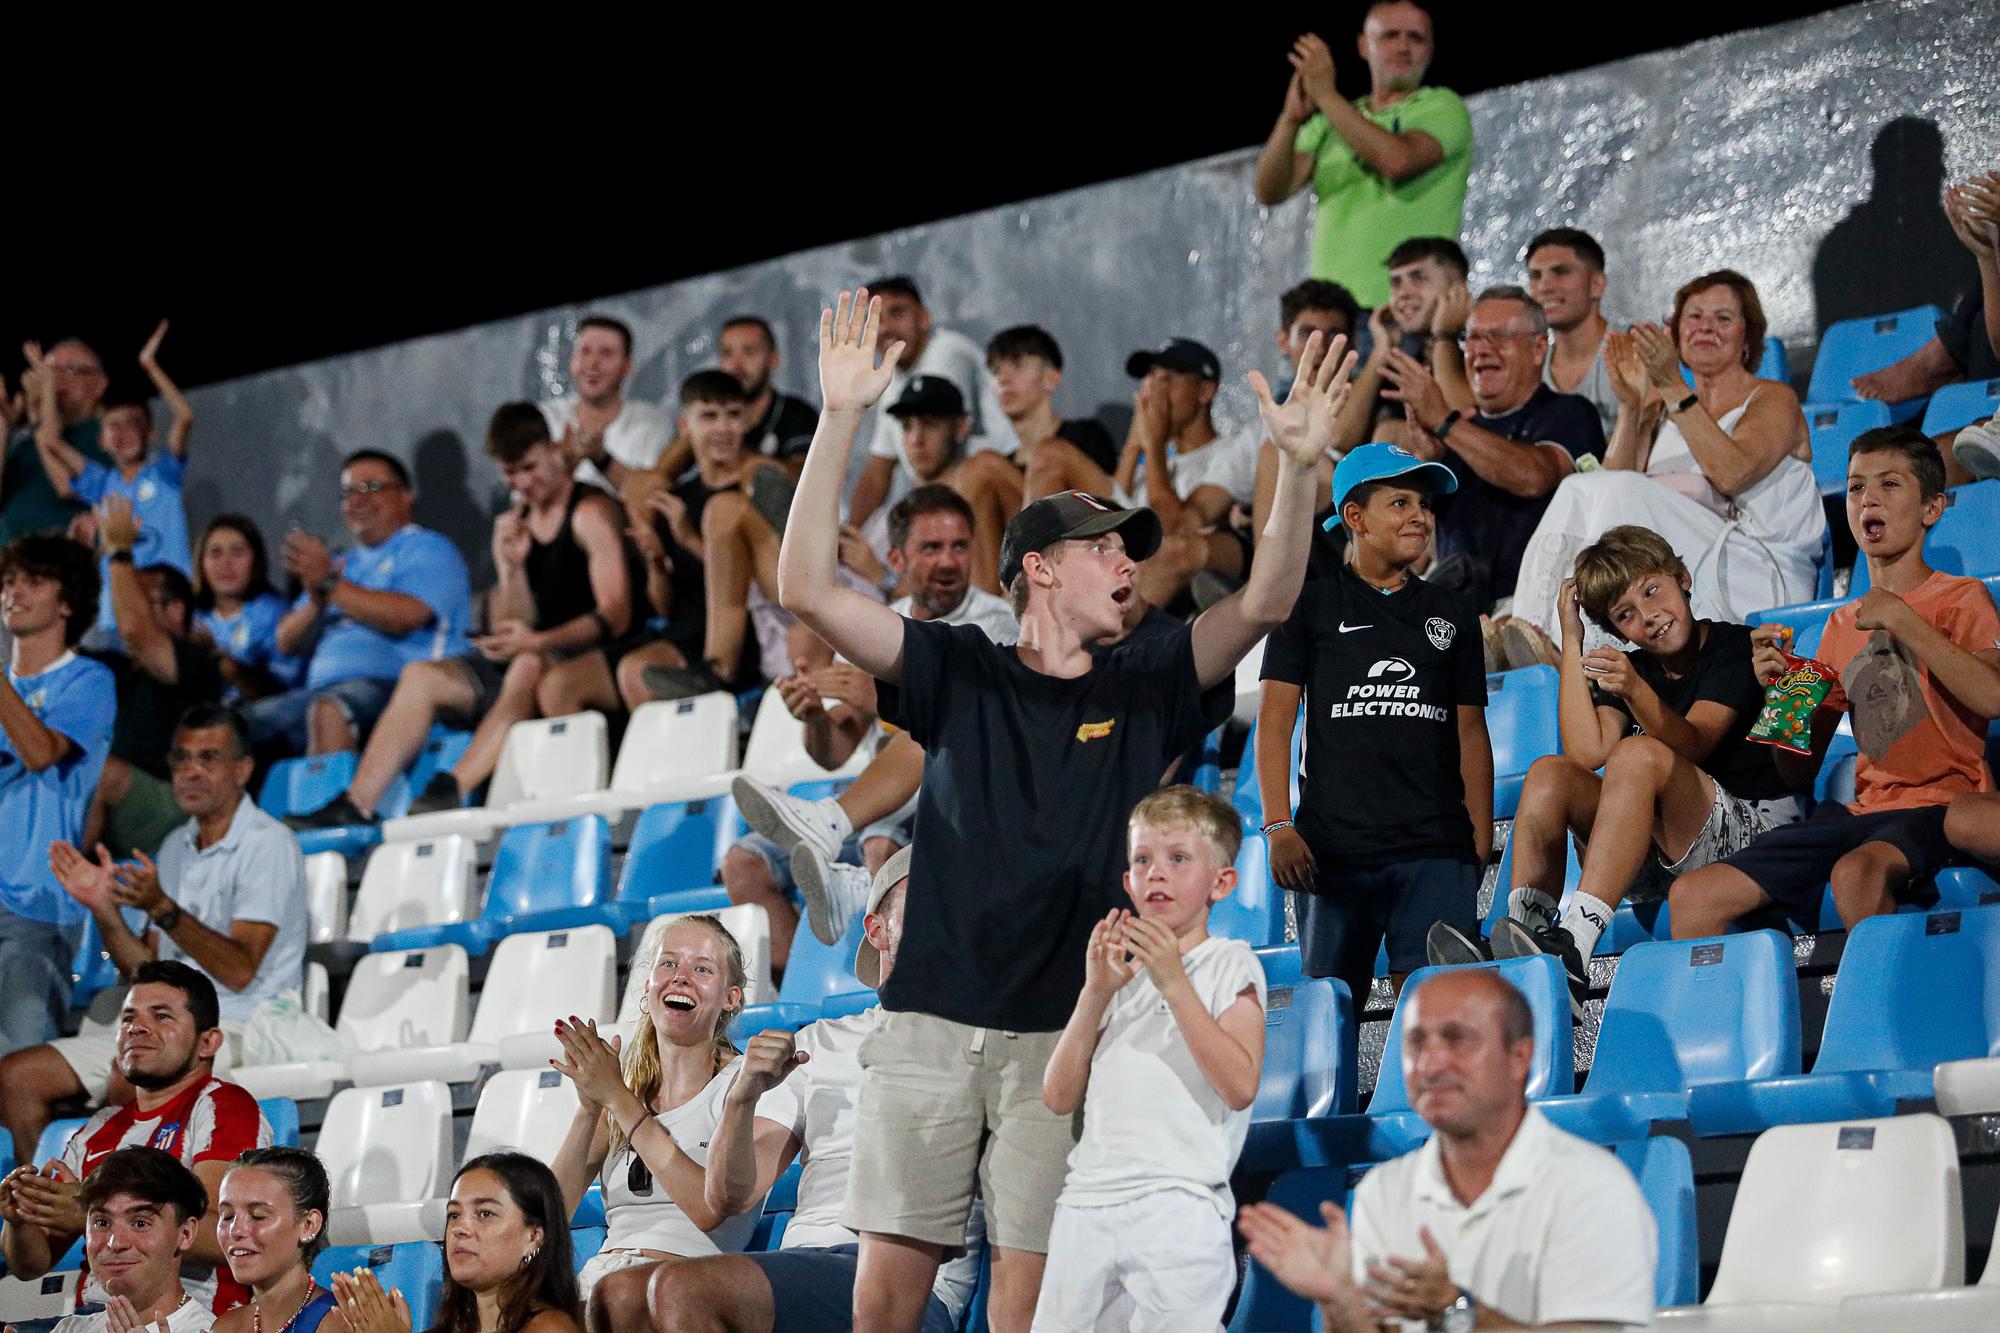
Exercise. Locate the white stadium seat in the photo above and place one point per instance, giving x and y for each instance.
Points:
(674, 750)
(318, 994)
(777, 749)
(407, 885)
(388, 1154)
(1967, 1087)
(50, 1296)
(526, 1110)
(1249, 689)
(1955, 1310)
(326, 897)
(544, 758)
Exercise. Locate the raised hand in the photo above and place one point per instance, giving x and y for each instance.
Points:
(768, 1058)
(858, 555)
(799, 694)
(1312, 61)
(1156, 948)
(848, 684)
(92, 883)
(589, 1062)
(511, 539)
(1454, 308)
(1106, 969)
(1298, 104)
(149, 355)
(139, 883)
(1570, 607)
(1303, 425)
(1413, 385)
(118, 525)
(1611, 671)
(51, 1199)
(1383, 335)
(1629, 380)
(305, 558)
(366, 1307)
(1314, 1263)
(1412, 1288)
(1878, 608)
(1767, 651)
(121, 1316)
(849, 378)
(1661, 358)
(1973, 209)
(1152, 415)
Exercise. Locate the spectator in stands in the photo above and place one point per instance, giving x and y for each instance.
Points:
(169, 1030)
(1566, 278)
(1389, 665)
(777, 426)
(927, 350)
(237, 611)
(808, 1282)
(508, 1259)
(1501, 1220)
(1027, 368)
(935, 430)
(604, 434)
(1723, 471)
(1509, 453)
(141, 1211)
(161, 673)
(1384, 167)
(271, 1225)
(1425, 314)
(558, 620)
(1921, 702)
(1683, 785)
(1042, 751)
(402, 595)
(227, 897)
(151, 487)
(643, 1131)
(1328, 309)
(28, 502)
(931, 534)
(56, 715)
(1164, 1067)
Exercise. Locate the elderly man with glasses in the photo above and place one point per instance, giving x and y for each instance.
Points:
(28, 501)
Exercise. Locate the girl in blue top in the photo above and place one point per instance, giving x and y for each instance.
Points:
(270, 1222)
(236, 607)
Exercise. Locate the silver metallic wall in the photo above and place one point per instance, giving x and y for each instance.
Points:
(1809, 155)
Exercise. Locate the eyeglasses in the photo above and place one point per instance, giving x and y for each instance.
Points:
(200, 758)
(1473, 338)
(359, 488)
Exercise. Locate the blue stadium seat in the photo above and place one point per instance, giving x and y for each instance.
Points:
(1505, 882)
(1913, 990)
(848, 1003)
(1966, 886)
(584, 1243)
(673, 849)
(814, 972)
(1833, 427)
(1774, 364)
(1857, 346)
(1308, 1029)
(779, 1205)
(294, 786)
(1521, 718)
(1248, 798)
(545, 877)
(283, 1114)
(1666, 1178)
(1208, 776)
(1683, 1013)
(1960, 542)
(92, 970)
(1959, 405)
(440, 751)
(1263, 1305)
(1282, 964)
(1254, 911)
(416, 1269)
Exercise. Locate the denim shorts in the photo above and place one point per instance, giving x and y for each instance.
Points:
(282, 719)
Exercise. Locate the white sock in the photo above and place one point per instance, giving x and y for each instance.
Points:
(1586, 920)
(1532, 907)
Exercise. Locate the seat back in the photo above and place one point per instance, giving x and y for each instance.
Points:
(1254, 911)
(522, 1110)
(1282, 963)
(1961, 541)
(407, 885)
(1688, 1012)
(387, 1145)
(748, 924)
(282, 1114)
(1521, 718)
(415, 1269)
(55, 1137)
(1833, 427)
(1308, 1029)
(1857, 346)
(538, 867)
(1957, 406)
(1541, 980)
(817, 970)
(1264, 1305)
(673, 847)
(1248, 798)
(538, 978)
(777, 749)
(317, 993)
(414, 998)
(1843, 1209)
(441, 749)
(548, 757)
(294, 786)
(1915, 990)
(1666, 1177)
(681, 738)
(326, 897)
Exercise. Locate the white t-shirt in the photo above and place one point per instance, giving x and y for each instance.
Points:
(193, 1316)
(654, 1221)
(1561, 1235)
(992, 614)
(636, 437)
(958, 359)
(1228, 461)
(1151, 1119)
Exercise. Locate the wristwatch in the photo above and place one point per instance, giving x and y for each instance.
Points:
(1461, 1316)
(1685, 403)
(1451, 419)
(325, 585)
(170, 918)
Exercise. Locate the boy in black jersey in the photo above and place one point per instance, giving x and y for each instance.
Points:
(1668, 724)
(1395, 811)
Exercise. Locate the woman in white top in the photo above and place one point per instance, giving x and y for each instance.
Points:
(1722, 471)
(643, 1130)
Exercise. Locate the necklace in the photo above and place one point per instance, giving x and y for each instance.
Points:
(257, 1311)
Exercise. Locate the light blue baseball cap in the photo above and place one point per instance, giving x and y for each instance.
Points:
(1382, 462)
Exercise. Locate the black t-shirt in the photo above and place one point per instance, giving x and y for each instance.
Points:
(1020, 842)
(1216, 704)
(149, 709)
(1092, 440)
(1384, 675)
(1721, 674)
(786, 430)
(1487, 523)
(687, 595)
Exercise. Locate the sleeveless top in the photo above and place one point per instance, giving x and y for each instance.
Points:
(559, 573)
(1782, 509)
(314, 1310)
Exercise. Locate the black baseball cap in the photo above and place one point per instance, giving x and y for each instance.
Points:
(1067, 515)
(929, 396)
(1183, 354)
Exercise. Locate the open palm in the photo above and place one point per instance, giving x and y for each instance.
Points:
(1303, 425)
(1314, 1263)
(849, 378)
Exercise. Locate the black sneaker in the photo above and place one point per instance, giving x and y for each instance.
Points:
(440, 793)
(1447, 946)
(1511, 939)
(670, 683)
(340, 812)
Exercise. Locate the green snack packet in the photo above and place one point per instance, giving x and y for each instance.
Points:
(1790, 702)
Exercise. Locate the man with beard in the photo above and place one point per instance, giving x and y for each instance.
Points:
(603, 433)
(168, 1033)
(780, 426)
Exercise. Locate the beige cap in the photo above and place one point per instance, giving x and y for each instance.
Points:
(867, 958)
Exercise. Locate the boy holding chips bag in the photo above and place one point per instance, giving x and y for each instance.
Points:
(1918, 665)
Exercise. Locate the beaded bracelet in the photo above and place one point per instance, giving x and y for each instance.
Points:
(1275, 825)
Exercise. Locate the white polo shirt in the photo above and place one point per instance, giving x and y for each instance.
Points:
(1562, 1233)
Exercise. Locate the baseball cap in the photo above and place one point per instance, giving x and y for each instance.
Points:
(1183, 354)
(1070, 514)
(929, 396)
(867, 958)
(1381, 462)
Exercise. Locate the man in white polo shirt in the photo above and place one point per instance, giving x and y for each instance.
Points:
(1501, 1220)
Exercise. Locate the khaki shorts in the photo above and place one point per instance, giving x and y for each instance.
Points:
(947, 1111)
(90, 1052)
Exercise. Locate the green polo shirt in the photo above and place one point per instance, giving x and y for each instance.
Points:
(28, 503)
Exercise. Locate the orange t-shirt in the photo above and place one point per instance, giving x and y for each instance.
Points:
(1944, 755)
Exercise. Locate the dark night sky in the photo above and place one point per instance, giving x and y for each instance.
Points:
(344, 188)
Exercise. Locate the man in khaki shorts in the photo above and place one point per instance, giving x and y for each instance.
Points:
(1035, 755)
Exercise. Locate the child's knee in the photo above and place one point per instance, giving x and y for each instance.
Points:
(1640, 759)
(1864, 880)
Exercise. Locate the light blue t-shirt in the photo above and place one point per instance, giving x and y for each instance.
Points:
(414, 561)
(77, 698)
(253, 873)
(155, 496)
(250, 637)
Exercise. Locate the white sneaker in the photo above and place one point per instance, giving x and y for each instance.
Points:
(789, 821)
(835, 892)
(1977, 449)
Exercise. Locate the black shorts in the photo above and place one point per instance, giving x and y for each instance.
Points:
(812, 1290)
(1791, 863)
(1355, 909)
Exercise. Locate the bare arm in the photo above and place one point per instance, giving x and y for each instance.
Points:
(394, 613)
(1972, 678)
(38, 746)
(298, 629)
(745, 1154)
(151, 647)
(1228, 1050)
(179, 431)
(1106, 970)
(1475, 770)
(1282, 171)
(1385, 152)
(581, 1155)
(1277, 713)
(1525, 470)
(871, 488)
(1588, 730)
(62, 463)
(206, 1248)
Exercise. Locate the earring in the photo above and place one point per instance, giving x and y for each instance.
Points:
(531, 1256)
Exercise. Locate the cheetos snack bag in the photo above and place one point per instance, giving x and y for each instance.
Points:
(1791, 700)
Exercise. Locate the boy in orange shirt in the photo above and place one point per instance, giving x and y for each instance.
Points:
(1885, 846)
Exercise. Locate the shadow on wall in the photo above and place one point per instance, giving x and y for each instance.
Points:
(1895, 249)
(446, 502)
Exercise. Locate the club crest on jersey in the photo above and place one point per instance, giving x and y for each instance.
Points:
(1440, 632)
(1093, 731)
(165, 1136)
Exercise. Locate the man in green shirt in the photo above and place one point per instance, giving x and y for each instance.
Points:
(28, 503)
(1385, 167)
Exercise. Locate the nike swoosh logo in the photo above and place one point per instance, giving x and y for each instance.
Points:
(1346, 628)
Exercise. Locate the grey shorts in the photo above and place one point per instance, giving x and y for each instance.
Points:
(1731, 825)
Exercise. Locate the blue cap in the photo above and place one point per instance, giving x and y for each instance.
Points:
(1382, 462)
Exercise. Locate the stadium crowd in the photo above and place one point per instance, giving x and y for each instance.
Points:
(1027, 628)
